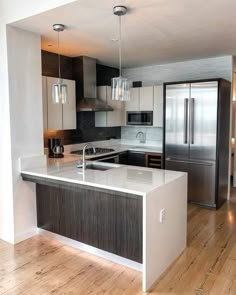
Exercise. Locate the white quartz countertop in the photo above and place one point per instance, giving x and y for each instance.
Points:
(128, 179)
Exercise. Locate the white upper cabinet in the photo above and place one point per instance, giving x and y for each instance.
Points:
(133, 104)
(112, 118)
(54, 109)
(58, 116)
(146, 98)
(149, 98)
(158, 106)
(141, 99)
(69, 109)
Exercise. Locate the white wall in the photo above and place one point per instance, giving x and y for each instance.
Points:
(6, 188)
(13, 10)
(217, 67)
(19, 97)
(25, 92)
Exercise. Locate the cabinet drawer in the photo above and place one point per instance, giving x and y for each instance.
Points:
(154, 160)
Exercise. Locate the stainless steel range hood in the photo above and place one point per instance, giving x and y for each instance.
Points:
(85, 68)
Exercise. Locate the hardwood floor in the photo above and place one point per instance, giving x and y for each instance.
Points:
(207, 266)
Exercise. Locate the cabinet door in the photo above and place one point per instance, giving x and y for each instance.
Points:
(102, 93)
(54, 110)
(137, 159)
(45, 107)
(133, 103)
(123, 158)
(146, 98)
(158, 106)
(101, 117)
(69, 109)
(116, 117)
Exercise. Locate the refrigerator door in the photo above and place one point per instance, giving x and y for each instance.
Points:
(177, 121)
(203, 121)
(201, 180)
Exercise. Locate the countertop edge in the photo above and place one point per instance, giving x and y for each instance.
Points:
(82, 183)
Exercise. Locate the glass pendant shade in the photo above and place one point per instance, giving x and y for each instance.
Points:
(120, 89)
(59, 93)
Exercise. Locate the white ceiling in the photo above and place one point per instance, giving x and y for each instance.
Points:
(154, 31)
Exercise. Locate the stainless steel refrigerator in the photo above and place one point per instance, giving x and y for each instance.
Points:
(196, 137)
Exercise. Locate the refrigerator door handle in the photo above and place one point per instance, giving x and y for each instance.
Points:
(186, 120)
(192, 121)
(190, 162)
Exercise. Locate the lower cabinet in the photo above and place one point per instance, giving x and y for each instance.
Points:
(142, 159)
(154, 160)
(123, 158)
(108, 220)
(136, 159)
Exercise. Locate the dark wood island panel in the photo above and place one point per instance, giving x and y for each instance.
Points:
(108, 220)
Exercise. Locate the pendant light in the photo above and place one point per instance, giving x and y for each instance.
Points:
(120, 86)
(59, 89)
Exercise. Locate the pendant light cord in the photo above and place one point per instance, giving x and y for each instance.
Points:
(120, 43)
(59, 57)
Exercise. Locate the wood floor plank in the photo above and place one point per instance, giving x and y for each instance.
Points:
(207, 266)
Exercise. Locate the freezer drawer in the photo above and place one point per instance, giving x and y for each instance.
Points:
(201, 180)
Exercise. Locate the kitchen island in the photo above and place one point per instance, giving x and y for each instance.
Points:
(135, 216)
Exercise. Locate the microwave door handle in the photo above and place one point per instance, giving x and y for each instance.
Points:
(185, 120)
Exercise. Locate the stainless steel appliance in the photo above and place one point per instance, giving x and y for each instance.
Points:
(144, 118)
(196, 137)
(55, 149)
(86, 86)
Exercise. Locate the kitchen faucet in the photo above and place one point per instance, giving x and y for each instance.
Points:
(141, 136)
(84, 151)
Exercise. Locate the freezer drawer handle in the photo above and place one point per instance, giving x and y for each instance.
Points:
(192, 121)
(186, 120)
(190, 162)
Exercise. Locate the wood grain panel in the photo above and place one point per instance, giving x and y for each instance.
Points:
(50, 65)
(108, 221)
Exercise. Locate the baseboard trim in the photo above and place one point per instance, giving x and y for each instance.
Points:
(92, 250)
(26, 235)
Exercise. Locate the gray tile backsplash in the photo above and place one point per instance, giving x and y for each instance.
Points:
(153, 134)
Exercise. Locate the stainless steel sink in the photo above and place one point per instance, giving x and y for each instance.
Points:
(98, 167)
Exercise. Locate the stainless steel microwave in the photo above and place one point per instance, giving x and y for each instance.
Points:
(139, 118)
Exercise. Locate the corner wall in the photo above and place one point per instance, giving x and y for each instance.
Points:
(6, 188)
(25, 92)
(18, 89)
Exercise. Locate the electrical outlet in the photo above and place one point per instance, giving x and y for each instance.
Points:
(162, 216)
